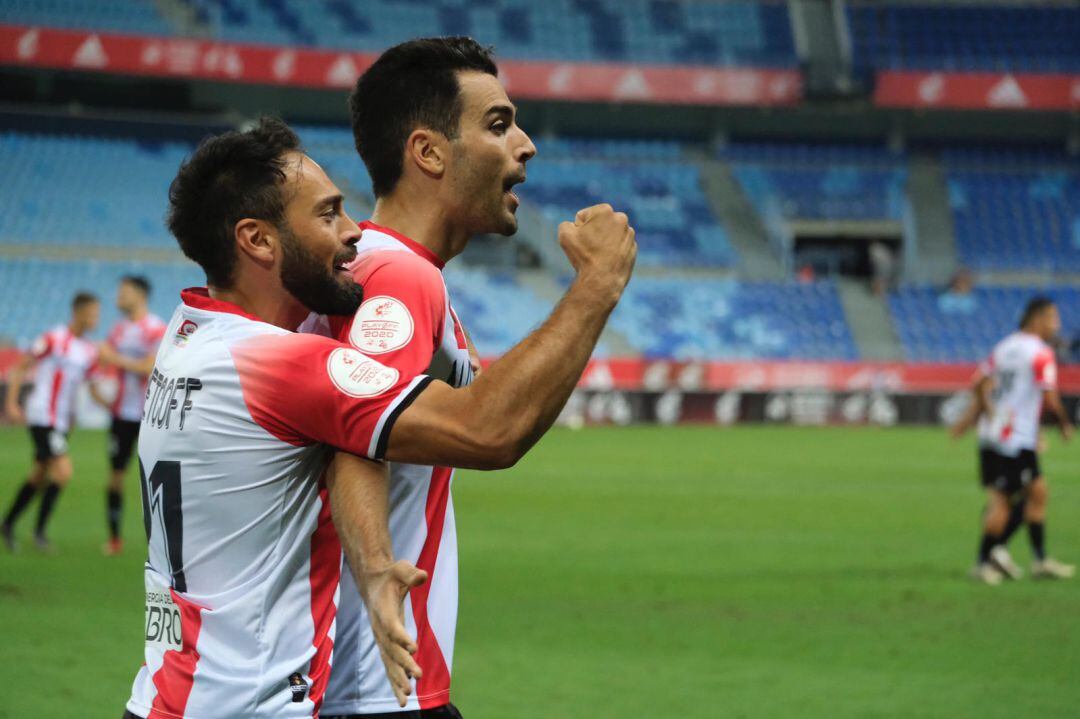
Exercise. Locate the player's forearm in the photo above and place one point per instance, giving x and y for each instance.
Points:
(14, 386)
(359, 505)
(492, 423)
(1052, 401)
(525, 390)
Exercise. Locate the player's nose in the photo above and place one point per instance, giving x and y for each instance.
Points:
(526, 149)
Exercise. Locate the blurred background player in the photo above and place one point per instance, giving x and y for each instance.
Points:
(1014, 384)
(130, 347)
(64, 359)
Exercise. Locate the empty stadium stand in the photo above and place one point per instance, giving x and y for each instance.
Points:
(939, 327)
(688, 318)
(965, 37)
(1015, 209)
(820, 181)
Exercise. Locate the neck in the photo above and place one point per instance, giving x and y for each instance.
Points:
(421, 222)
(76, 328)
(278, 308)
(137, 314)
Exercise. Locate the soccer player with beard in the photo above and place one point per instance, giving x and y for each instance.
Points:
(130, 347)
(244, 563)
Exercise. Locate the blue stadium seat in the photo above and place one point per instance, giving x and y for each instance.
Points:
(122, 16)
(820, 181)
(1015, 209)
(648, 179)
(740, 32)
(58, 189)
(689, 318)
(37, 292)
(939, 327)
(971, 37)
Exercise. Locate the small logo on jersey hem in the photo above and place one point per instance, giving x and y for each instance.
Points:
(183, 334)
(298, 687)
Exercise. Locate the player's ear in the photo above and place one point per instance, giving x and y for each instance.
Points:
(426, 150)
(255, 239)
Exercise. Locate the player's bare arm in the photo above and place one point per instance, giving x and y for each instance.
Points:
(1052, 401)
(14, 389)
(144, 365)
(492, 423)
(359, 502)
(980, 404)
(97, 395)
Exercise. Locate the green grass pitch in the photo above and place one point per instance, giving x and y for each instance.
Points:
(687, 572)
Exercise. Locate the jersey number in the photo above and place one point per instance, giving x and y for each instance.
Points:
(1004, 384)
(161, 497)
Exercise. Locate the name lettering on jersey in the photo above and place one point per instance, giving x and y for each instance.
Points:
(382, 324)
(165, 396)
(163, 624)
(357, 375)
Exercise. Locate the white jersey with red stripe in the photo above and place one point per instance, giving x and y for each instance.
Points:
(63, 362)
(244, 563)
(134, 339)
(407, 323)
(1022, 367)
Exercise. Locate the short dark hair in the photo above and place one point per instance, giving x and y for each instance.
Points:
(1034, 307)
(139, 282)
(229, 177)
(81, 299)
(411, 85)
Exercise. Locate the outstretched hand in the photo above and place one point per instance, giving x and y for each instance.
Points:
(384, 596)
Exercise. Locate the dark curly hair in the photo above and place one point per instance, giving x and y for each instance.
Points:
(411, 85)
(229, 177)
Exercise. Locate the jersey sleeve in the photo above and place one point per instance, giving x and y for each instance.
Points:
(305, 389)
(41, 346)
(1045, 370)
(401, 319)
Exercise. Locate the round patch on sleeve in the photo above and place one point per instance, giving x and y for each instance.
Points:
(357, 375)
(382, 324)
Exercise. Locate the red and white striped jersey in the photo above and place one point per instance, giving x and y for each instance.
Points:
(63, 362)
(134, 339)
(1022, 367)
(407, 323)
(244, 563)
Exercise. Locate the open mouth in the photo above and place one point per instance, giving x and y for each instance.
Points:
(342, 264)
(508, 187)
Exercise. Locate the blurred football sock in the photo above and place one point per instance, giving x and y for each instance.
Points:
(48, 502)
(114, 505)
(1037, 534)
(22, 499)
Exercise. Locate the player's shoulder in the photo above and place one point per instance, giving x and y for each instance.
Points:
(153, 322)
(386, 263)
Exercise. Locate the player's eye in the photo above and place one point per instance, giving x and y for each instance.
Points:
(498, 127)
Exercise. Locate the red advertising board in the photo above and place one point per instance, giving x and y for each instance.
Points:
(263, 64)
(978, 90)
(770, 376)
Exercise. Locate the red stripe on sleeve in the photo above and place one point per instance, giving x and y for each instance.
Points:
(325, 575)
(176, 676)
(432, 689)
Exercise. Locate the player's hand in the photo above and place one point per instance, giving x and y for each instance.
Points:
(385, 594)
(600, 245)
(106, 354)
(14, 413)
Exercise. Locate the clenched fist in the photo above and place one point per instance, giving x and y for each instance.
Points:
(601, 247)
